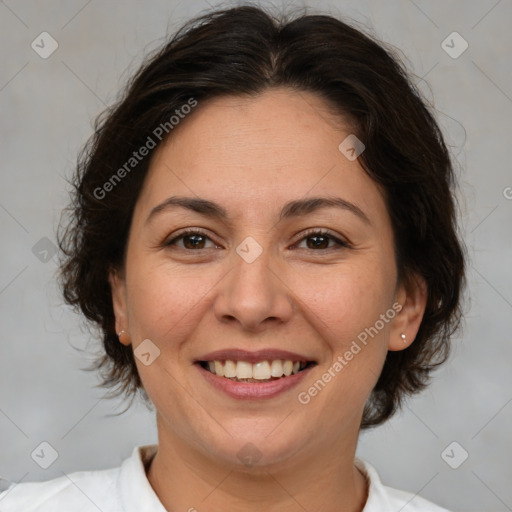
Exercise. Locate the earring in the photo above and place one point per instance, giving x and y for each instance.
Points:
(124, 337)
(403, 337)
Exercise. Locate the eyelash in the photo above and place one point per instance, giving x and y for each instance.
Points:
(309, 234)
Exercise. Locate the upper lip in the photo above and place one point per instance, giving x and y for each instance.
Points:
(268, 354)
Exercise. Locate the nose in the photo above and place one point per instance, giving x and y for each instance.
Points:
(254, 295)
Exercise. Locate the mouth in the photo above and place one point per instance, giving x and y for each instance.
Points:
(259, 372)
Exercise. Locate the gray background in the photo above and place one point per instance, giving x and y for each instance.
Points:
(47, 109)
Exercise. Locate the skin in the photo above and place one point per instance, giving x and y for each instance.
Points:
(251, 156)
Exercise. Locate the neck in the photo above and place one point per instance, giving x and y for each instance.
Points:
(186, 479)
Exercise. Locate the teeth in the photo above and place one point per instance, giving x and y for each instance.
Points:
(263, 370)
(229, 369)
(277, 369)
(243, 370)
(288, 367)
(219, 369)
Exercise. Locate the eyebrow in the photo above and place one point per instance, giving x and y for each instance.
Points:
(297, 208)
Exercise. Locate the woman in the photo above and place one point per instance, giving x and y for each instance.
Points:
(264, 230)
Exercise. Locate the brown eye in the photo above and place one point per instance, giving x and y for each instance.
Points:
(192, 240)
(318, 242)
(321, 240)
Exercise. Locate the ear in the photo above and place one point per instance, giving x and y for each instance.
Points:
(119, 303)
(412, 296)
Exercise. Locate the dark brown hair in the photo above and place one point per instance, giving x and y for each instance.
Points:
(245, 51)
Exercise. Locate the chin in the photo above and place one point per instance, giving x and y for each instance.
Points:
(259, 453)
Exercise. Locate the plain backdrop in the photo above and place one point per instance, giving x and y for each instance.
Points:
(47, 107)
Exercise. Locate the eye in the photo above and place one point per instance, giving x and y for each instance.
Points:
(192, 239)
(320, 239)
(195, 239)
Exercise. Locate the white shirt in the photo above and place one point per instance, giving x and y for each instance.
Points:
(127, 489)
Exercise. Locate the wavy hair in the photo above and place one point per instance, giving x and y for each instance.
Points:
(245, 51)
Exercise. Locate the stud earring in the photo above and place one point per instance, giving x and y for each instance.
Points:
(124, 337)
(403, 337)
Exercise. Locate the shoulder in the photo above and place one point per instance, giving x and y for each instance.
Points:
(82, 490)
(107, 489)
(382, 498)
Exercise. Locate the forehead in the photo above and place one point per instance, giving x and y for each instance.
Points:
(251, 153)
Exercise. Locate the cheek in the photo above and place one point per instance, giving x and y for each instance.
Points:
(339, 301)
(346, 300)
(345, 308)
(166, 302)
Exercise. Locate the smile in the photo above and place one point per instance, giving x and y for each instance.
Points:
(262, 371)
(250, 388)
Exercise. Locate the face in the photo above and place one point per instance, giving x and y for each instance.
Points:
(309, 279)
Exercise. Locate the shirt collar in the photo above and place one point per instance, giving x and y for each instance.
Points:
(137, 495)
(135, 491)
(377, 495)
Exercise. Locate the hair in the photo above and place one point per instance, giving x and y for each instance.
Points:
(244, 51)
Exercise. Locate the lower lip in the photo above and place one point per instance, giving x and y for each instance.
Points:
(253, 390)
